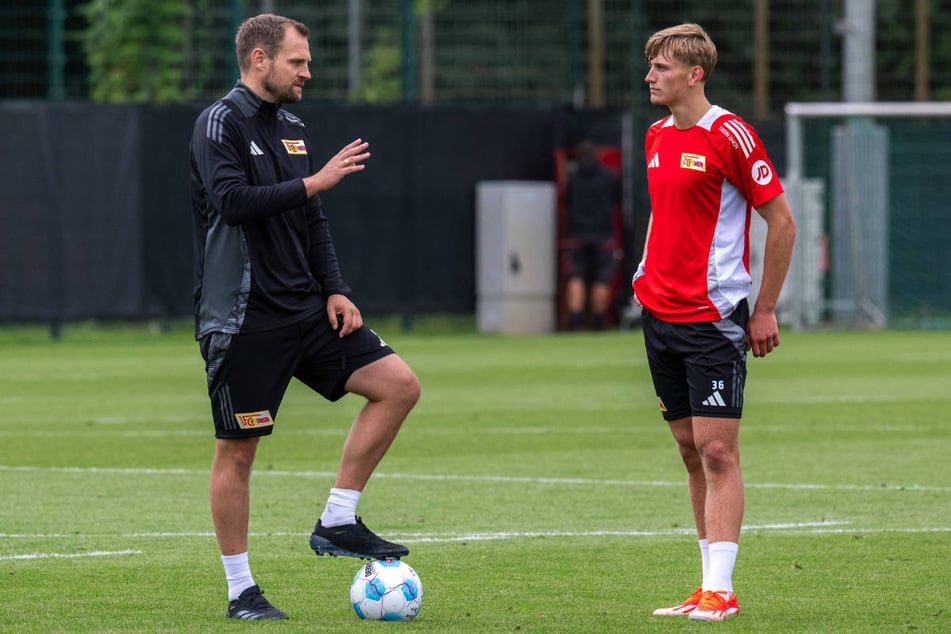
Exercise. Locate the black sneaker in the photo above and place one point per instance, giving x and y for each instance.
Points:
(252, 605)
(353, 540)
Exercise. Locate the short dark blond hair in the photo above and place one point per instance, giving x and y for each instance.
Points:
(265, 31)
(687, 43)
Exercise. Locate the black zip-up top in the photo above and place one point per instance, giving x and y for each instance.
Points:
(264, 257)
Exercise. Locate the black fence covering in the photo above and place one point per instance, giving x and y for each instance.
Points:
(71, 239)
(95, 220)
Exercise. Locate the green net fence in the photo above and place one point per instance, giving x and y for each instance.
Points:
(580, 53)
(919, 223)
(577, 52)
(886, 222)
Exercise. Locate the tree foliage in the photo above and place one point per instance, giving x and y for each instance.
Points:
(503, 50)
(383, 61)
(135, 50)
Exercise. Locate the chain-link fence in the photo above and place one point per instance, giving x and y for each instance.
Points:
(885, 224)
(579, 52)
(582, 53)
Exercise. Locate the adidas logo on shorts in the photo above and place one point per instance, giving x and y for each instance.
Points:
(715, 400)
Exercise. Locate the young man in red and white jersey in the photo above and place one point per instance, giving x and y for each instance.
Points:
(706, 170)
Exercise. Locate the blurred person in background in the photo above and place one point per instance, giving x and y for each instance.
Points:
(591, 194)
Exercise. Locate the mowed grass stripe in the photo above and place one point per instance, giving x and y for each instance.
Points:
(535, 482)
(482, 478)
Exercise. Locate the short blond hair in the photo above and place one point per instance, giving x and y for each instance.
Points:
(265, 31)
(687, 43)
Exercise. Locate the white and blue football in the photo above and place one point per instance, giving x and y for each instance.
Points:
(386, 590)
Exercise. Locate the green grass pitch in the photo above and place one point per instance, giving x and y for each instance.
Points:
(535, 484)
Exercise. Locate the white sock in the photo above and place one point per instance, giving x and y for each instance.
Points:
(238, 574)
(341, 508)
(704, 559)
(722, 560)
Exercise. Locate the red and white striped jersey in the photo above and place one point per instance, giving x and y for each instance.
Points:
(703, 183)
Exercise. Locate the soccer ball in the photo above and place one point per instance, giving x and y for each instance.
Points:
(386, 590)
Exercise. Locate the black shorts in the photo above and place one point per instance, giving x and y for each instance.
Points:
(592, 261)
(698, 368)
(249, 373)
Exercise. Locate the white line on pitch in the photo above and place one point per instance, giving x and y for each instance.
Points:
(819, 527)
(95, 553)
(802, 528)
(451, 536)
(488, 478)
(437, 537)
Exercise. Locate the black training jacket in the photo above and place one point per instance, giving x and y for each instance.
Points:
(264, 257)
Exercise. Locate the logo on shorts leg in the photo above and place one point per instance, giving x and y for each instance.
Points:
(253, 420)
(716, 399)
(382, 343)
(660, 402)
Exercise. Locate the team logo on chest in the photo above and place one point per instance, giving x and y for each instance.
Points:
(294, 146)
(696, 162)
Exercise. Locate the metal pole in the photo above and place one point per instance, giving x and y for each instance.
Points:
(639, 37)
(408, 49)
(355, 54)
(858, 51)
(56, 57)
(595, 54)
(761, 59)
(794, 158)
(826, 60)
(575, 86)
(427, 63)
(234, 17)
(922, 50)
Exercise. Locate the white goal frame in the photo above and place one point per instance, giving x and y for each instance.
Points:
(797, 111)
(806, 276)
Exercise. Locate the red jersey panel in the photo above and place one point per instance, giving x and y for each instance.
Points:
(703, 183)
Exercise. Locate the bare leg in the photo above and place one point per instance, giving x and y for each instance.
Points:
(391, 390)
(229, 492)
(717, 441)
(574, 295)
(600, 298)
(682, 430)
(574, 302)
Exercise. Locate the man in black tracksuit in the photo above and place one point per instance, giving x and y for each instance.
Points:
(270, 303)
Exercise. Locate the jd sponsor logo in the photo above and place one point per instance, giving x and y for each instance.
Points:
(761, 172)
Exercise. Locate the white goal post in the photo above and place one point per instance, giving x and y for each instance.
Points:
(858, 199)
(797, 111)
